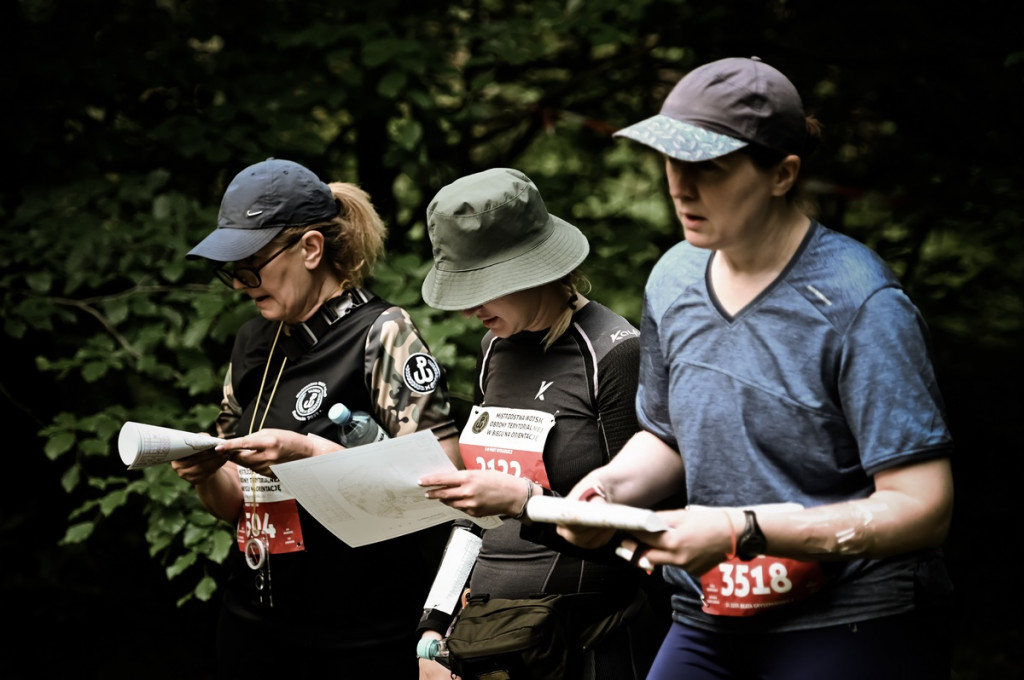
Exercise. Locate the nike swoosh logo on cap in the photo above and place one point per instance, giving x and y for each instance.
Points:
(253, 213)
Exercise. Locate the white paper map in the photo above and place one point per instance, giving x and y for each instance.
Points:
(370, 493)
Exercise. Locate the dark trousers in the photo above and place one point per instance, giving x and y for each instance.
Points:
(907, 647)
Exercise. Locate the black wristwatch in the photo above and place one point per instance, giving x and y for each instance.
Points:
(751, 542)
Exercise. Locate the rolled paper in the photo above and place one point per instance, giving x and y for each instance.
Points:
(584, 513)
(142, 445)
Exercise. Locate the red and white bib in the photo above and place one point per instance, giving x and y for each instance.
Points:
(269, 514)
(744, 588)
(507, 439)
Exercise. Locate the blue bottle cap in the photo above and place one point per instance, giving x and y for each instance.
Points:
(426, 648)
(339, 414)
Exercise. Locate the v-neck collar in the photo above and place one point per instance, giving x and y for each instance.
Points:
(811, 231)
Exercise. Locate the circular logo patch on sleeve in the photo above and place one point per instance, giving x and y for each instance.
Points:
(421, 373)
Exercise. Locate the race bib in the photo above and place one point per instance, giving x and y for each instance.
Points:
(269, 514)
(744, 588)
(508, 440)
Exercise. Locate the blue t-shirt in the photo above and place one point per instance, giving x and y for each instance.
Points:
(822, 381)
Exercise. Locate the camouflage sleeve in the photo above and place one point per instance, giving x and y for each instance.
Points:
(407, 385)
(230, 410)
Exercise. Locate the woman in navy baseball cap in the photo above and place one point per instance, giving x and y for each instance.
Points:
(296, 596)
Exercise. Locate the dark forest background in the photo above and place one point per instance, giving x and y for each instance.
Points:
(123, 121)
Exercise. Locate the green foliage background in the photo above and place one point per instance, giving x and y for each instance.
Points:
(125, 120)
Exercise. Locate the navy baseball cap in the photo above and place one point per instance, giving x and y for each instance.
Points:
(723, 106)
(262, 200)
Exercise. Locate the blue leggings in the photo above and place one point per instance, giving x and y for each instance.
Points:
(907, 647)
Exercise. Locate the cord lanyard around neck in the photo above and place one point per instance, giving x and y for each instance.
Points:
(257, 549)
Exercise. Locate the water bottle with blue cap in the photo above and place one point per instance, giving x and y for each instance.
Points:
(355, 428)
(434, 650)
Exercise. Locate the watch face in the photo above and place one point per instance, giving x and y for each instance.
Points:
(756, 545)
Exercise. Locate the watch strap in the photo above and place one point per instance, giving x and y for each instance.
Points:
(751, 542)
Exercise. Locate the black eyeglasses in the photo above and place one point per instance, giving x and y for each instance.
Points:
(249, 277)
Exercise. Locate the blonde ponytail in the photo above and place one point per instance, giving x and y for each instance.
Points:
(571, 284)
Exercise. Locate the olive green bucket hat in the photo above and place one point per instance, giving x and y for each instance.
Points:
(492, 235)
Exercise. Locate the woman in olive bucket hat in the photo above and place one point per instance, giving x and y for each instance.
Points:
(554, 399)
(786, 383)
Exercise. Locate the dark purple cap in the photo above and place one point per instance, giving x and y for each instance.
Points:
(723, 106)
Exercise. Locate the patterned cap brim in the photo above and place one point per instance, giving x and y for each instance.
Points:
(679, 140)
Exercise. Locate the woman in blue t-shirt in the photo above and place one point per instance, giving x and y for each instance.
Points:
(785, 380)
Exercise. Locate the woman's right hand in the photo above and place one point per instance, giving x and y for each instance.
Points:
(479, 493)
(645, 471)
(215, 479)
(199, 467)
(586, 536)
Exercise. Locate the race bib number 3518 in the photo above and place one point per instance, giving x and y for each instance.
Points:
(739, 588)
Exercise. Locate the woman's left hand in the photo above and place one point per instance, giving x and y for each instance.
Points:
(698, 538)
(260, 450)
(478, 493)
